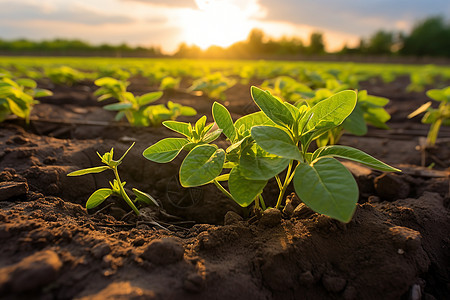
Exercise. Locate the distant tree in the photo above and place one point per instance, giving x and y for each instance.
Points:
(316, 44)
(429, 37)
(380, 43)
(255, 41)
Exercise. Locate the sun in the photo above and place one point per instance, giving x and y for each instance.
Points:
(215, 22)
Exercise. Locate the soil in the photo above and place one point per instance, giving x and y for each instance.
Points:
(199, 244)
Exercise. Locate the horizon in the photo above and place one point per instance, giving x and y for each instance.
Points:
(205, 23)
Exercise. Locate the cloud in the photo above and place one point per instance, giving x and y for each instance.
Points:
(72, 14)
(170, 3)
(353, 16)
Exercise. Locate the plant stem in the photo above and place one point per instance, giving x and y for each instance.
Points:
(263, 204)
(222, 189)
(287, 180)
(123, 193)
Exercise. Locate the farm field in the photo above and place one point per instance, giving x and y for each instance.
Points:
(197, 243)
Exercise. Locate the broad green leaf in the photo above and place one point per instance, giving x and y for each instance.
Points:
(98, 197)
(327, 187)
(352, 154)
(200, 124)
(165, 150)
(276, 141)
(118, 106)
(144, 197)
(187, 111)
(355, 123)
(438, 95)
(16, 109)
(247, 122)
(26, 82)
(377, 116)
(149, 98)
(201, 165)
(243, 190)
(212, 136)
(88, 171)
(106, 81)
(42, 93)
(223, 119)
(421, 109)
(180, 127)
(330, 112)
(272, 107)
(255, 166)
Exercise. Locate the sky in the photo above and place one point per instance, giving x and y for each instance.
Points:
(167, 23)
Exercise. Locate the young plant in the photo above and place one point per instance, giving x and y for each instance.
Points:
(213, 85)
(17, 97)
(137, 109)
(435, 116)
(170, 83)
(65, 75)
(117, 186)
(266, 143)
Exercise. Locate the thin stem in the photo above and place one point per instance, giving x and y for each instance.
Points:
(123, 193)
(222, 189)
(280, 186)
(257, 203)
(287, 180)
(261, 200)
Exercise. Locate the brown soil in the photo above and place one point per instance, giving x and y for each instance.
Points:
(205, 246)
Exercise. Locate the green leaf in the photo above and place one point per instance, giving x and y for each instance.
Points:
(327, 187)
(26, 82)
(165, 150)
(355, 123)
(88, 171)
(244, 190)
(352, 154)
(330, 112)
(276, 141)
(106, 81)
(118, 106)
(256, 166)
(438, 95)
(201, 165)
(98, 197)
(145, 198)
(247, 122)
(180, 127)
(16, 109)
(223, 177)
(223, 119)
(42, 93)
(149, 98)
(212, 136)
(187, 111)
(272, 107)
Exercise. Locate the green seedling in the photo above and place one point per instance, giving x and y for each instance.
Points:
(65, 75)
(169, 83)
(137, 109)
(117, 186)
(267, 143)
(17, 97)
(214, 85)
(435, 116)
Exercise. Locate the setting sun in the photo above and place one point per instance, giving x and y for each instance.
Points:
(216, 22)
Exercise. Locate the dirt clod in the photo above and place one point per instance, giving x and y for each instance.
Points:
(33, 272)
(10, 189)
(232, 218)
(271, 217)
(333, 284)
(391, 187)
(163, 251)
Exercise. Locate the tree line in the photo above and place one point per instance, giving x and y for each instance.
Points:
(429, 37)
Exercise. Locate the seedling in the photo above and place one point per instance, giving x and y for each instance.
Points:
(17, 97)
(65, 75)
(136, 108)
(214, 85)
(433, 116)
(266, 143)
(117, 186)
(169, 83)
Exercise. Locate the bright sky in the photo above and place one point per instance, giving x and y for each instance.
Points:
(167, 23)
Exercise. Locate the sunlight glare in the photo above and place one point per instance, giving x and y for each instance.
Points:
(216, 22)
